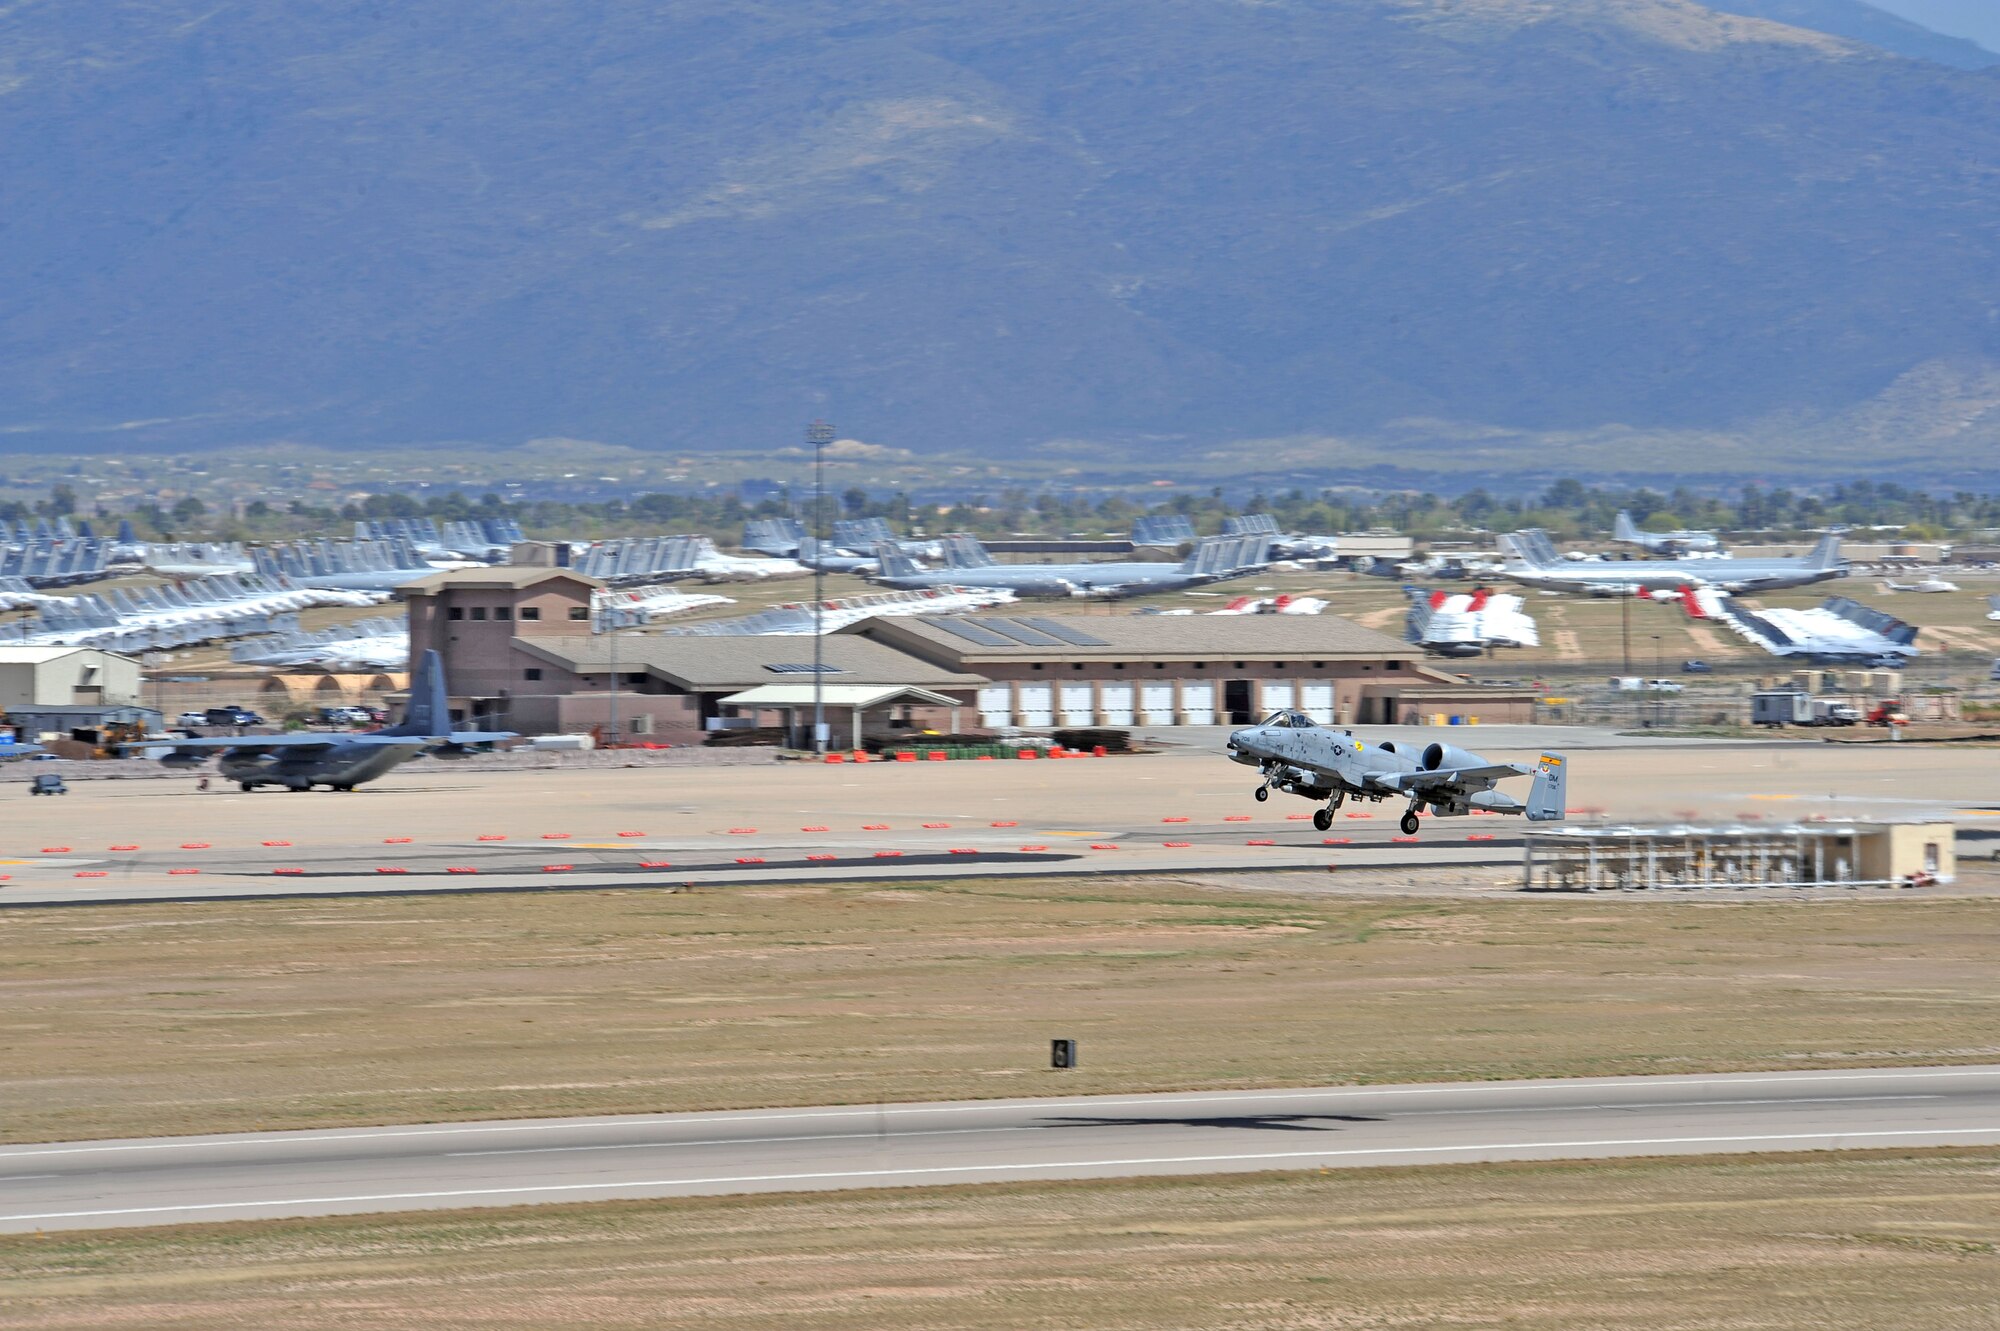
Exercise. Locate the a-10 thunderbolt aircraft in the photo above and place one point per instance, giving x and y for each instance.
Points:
(302, 760)
(1301, 757)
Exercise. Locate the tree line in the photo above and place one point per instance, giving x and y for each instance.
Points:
(1566, 508)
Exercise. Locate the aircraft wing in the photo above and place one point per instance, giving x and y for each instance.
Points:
(1451, 776)
(296, 741)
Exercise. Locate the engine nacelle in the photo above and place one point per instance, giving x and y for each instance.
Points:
(183, 758)
(1439, 756)
(454, 752)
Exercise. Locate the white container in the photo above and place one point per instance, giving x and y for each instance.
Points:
(563, 743)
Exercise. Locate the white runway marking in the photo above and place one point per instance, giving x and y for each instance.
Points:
(849, 1111)
(1007, 1168)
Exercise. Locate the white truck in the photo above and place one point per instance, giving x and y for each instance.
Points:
(1790, 707)
(1781, 707)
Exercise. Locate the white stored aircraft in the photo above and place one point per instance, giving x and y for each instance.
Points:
(1532, 561)
(1627, 532)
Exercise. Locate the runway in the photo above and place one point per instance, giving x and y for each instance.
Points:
(847, 855)
(1181, 811)
(86, 1185)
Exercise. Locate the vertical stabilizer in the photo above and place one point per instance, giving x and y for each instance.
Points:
(1546, 798)
(891, 561)
(1826, 555)
(1624, 529)
(428, 714)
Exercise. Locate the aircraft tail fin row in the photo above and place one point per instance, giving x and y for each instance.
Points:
(891, 561)
(1546, 798)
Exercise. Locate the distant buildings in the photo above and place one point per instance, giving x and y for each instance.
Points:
(519, 649)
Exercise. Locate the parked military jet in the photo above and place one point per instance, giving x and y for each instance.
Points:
(1626, 531)
(1301, 757)
(302, 760)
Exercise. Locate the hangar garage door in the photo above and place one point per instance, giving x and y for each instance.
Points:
(1275, 697)
(1316, 701)
(1156, 704)
(1037, 706)
(996, 706)
(1079, 704)
(1198, 704)
(1117, 704)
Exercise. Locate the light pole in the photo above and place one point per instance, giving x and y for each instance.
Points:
(1659, 673)
(819, 434)
(610, 629)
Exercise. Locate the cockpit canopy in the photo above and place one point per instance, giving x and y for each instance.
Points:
(1288, 719)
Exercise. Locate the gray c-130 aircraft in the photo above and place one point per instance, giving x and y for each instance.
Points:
(303, 760)
(1300, 757)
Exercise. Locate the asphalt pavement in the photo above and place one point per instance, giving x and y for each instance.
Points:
(88, 1185)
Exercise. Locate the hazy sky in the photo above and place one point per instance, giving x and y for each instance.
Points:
(1976, 19)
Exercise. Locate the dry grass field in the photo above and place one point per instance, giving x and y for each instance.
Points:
(147, 1020)
(1907, 1243)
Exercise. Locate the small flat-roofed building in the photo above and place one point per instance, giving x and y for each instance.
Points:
(66, 677)
(681, 689)
(1166, 670)
(1816, 853)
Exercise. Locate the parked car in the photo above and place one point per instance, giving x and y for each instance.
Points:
(47, 783)
(193, 719)
(232, 716)
(1665, 686)
(1696, 668)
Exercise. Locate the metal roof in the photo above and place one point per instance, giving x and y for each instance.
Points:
(1161, 637)
(834, 695)
(40, 655)
(508, 577)
(705, 664)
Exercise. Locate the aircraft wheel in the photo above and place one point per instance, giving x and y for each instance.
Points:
(1323, 819)
(1409, 824)
(247, 787)
(1263, 793)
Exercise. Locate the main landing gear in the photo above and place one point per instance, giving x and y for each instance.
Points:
(1323, 818)
(1263, 793)
(1409, 823)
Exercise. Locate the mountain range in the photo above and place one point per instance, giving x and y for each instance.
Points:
(1164, 225)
